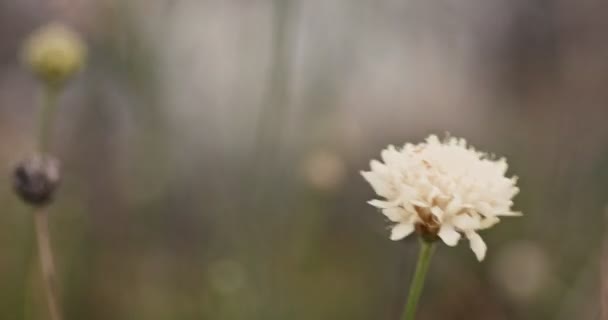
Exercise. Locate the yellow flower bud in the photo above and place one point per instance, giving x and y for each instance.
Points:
(54, 53)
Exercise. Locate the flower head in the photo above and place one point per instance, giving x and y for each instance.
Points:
(442, 190)
(54, 53)
(36, 179)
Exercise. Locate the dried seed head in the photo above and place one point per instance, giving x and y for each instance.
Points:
(35, 179)
(54, 53)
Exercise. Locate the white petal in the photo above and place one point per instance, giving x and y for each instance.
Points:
(510, 214)
(485, 209)
(418, 203)
(378, 167)
(477, 245)
(390, 156)
(432, 139)
(395, 214)
(380, 186)
(401, 231)
(466, 222)
(382, 204)
(433, 193)
(449, 235)
(453, 206)
(488, 222)
(438, 213)
(407, 193)
(408, 207)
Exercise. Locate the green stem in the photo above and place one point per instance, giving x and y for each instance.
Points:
(45, 252)
(424, 260)
(47, 115)
(47, 266)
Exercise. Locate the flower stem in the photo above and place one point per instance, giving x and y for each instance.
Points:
(422, 266)
(46, 262)
(47, 116)
(41, 221)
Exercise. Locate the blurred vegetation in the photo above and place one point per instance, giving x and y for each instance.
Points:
(212, 152)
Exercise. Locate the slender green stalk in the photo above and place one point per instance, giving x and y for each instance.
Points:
(47, 117)
(45, 252)
(422, 266)
(47, 265)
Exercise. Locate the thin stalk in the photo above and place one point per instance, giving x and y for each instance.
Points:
(46, 262)
(47, 117)
(41, 222)
(422, 266)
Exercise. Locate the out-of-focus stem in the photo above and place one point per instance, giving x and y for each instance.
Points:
(424, 260)
(604, 280)
(41, 222)
(46, 262)
(275, 100)
(47, 117)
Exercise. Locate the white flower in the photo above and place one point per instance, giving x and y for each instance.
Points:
(442, 189)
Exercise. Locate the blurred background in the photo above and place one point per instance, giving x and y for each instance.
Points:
(212, 149)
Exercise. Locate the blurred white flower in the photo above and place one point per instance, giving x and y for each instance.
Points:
(523, 269)
(442, 189)
(324, 170)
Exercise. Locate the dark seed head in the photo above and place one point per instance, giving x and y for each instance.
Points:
(35, 179)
